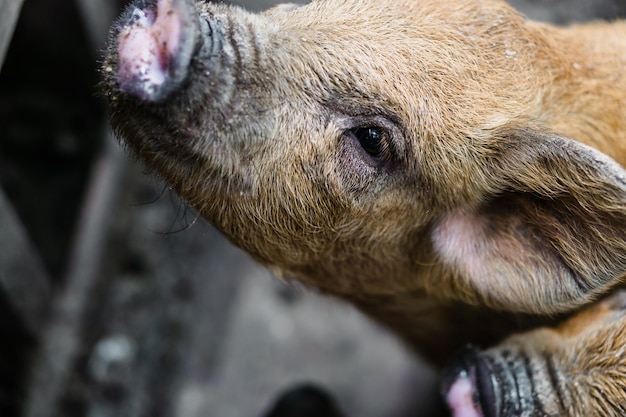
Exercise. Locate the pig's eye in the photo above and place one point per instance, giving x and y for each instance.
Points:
(373, 140)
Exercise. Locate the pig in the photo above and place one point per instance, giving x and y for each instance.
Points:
(451, 169)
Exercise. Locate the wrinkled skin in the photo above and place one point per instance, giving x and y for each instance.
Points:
(444, 166)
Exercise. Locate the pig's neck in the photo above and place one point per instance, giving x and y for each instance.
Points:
(439, 330)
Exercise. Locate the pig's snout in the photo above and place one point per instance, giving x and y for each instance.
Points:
(156, 41)
(500, 383)
(472, 387)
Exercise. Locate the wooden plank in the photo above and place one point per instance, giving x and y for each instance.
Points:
(9, 12)
(60, 341)
(23, 278)
(97, 17)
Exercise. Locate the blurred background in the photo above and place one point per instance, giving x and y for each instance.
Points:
(117, 300)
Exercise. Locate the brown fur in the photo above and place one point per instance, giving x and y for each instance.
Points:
(489, 216)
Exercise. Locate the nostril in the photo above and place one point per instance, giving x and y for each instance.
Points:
(461, 398)
(459, 364)
(154, 47)
(470, 386)
(487, 387)
(458, 385)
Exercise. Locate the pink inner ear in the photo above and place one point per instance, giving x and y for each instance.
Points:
(146, 46)
(459, 240)
(495, 255)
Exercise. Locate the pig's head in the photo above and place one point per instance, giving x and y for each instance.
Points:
(373, 147)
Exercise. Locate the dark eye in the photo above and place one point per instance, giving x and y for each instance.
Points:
(373, 140)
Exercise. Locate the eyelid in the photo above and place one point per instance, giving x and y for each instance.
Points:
(393, 128)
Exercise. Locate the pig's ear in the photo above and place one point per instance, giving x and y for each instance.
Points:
(552, 233)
